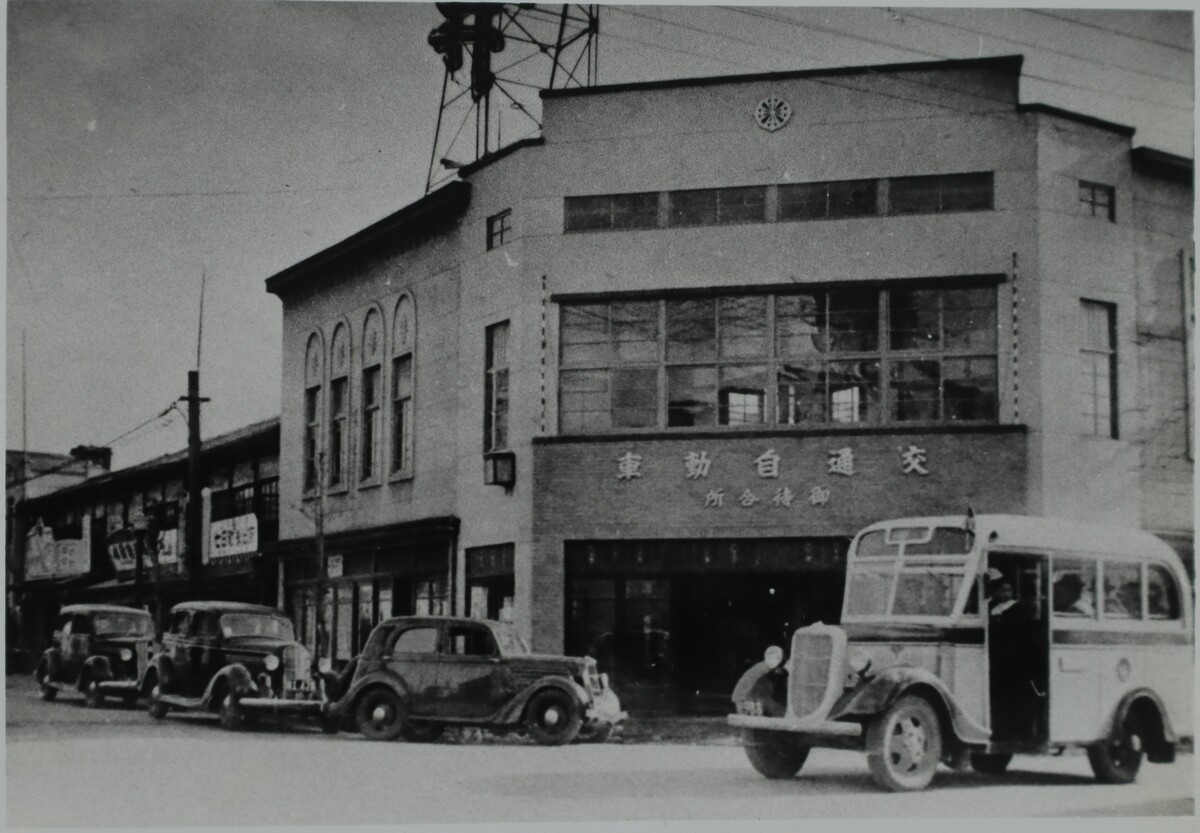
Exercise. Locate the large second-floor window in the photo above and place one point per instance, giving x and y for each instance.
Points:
(848, 356)
(495, 406)
(370, 422)
(312, 436)
(402, 414)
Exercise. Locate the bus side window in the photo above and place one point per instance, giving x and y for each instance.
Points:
(1074, 588)
(1122, 591)
(1162, 596)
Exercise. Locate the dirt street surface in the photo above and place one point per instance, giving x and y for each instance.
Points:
(125, 770)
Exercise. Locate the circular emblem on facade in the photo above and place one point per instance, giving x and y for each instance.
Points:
(1123, 670)
(772, 113)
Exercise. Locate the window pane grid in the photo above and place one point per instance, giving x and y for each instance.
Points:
(856, 356)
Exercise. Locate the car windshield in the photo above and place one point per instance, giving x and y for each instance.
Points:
(118, 624)
(509, 641)
(256, 624)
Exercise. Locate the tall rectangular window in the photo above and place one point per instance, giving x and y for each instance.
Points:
(338, 391)
(499, 229)
(370, 422)
(312, 436)
(1099, 354)
(495, 407)
(1098, 200)
(402, 414)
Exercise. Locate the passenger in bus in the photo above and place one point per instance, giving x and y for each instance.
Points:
(1001, 599)
(1071, 597)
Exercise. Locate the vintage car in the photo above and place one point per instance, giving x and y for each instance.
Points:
(419, 674)
(238, 660)
(99, 650)
(966, 640)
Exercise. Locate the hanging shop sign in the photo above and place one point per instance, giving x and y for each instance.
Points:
(233, 536)
(122, 550)
(48, 557)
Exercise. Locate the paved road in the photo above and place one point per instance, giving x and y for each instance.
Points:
(73, 767)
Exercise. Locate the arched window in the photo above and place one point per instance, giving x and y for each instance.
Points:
(403, 341)
(314, 371)
(339, 401)
(370, 396)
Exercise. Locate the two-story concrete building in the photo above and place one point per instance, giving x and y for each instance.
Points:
(635, 383)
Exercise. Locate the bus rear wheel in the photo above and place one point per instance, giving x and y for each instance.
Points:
(774, 755)
(1118, 759)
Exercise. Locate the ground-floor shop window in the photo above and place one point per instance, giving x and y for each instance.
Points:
(493, 598)
(430, 598)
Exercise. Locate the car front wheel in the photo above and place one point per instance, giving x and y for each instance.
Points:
(156, 707)
(774, 754)
(904, 745)
(92, 695)
(46, 691)
(232, 716)
(552, 718)
(1118, 759)
(380, 714)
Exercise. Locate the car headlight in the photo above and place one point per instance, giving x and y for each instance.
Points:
(773, 656)
(271, 662)
(126, 655)
(859, 662)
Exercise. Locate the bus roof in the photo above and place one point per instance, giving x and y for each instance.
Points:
(1050, 533)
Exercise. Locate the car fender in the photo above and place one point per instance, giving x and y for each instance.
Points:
(235, 678)
(1159, 749)
(514, 710)
(164, 668)
(344, 705)
(97, 668)
(52, 660)
(877, 694)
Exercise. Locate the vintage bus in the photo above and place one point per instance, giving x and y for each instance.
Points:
(967, 639)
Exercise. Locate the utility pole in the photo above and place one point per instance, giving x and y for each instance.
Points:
(195, 482)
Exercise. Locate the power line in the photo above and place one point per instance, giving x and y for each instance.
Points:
(1078, 22)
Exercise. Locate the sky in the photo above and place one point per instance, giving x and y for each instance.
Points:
(158, 145)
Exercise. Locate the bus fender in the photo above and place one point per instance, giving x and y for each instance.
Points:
(1160, 743)
(761, 684)
(885, 688)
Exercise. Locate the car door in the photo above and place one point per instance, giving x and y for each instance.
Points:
(203, 651)
(61, 670)
(175, 648)
(473, 679)
(78, 646)
(414, 659)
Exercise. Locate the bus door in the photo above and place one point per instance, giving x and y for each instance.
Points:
(1018, 642)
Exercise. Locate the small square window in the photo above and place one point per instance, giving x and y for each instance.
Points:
(499, 229)
(1098, 200)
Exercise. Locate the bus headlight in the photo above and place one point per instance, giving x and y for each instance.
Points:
(126, 655)
(271, 662)
(773, 656)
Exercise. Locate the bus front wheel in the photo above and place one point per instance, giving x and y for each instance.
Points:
(904, 745)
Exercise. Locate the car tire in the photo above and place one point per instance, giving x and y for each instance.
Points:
(600, 733)
(93, 698)
(423, 732)
(774, 755)
(380, 714)
(904, 745)
(46, 691)
(990, 763)
(1118, 759)
(154, 706)
(552, 719)
(233, 717)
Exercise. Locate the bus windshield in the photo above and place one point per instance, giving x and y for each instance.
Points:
(908, 571)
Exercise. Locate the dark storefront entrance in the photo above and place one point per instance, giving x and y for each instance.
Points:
(674, 623)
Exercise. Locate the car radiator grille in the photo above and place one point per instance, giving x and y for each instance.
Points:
(812, 656)
(297, 665)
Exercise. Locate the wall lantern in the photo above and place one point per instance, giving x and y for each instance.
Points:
(500, 469)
